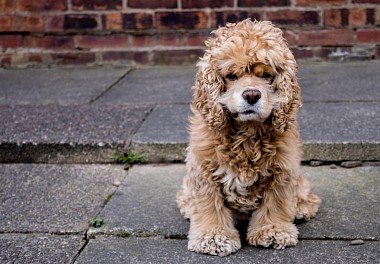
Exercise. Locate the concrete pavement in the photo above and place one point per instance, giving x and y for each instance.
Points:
(60, 125)
(82, 115)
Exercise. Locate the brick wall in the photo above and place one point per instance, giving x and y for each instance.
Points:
(99, 32)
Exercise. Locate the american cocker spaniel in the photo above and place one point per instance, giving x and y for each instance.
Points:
(243, 159)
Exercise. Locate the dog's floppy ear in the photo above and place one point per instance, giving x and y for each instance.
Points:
(208, 86)
(285, 116)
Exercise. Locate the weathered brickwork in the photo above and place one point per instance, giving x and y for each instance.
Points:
(101, 32)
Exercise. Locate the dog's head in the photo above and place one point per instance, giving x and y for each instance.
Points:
(249, 74)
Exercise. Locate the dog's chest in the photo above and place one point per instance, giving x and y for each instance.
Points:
(241, 194)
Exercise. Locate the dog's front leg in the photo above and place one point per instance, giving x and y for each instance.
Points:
(271, 224)
(212, 229)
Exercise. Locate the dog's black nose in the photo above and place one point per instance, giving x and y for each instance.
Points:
(252, 96)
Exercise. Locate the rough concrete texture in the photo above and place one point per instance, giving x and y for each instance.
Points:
(157, 85)
(76, 127)
(323, 81)
(145, 203)
(337, 82)
(53, 198)
(155, 250)
(55, 86)
(350, 203)
(330, 131)
(38, 248)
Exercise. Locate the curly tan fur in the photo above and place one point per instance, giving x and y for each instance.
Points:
(244, 159)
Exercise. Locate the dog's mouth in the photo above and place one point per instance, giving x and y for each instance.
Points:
(248, 112)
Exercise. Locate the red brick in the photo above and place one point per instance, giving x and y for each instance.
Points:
(10, 41)
(137, 21)
(143, 40)
(49, 42)
(170, 39)
(302, 53)
(370, 16)
(320, 2)
(207, 3)
(33, 57)
(22, 23)
(220, 18)
(80, 22)
(6, 60)
(197, 38)
(106, 41)
(139, 57)
(55, 23)
(152, 4)
(291, 37)
(7, 5)
(112, 21)
(336, 17)
(357, 17)
(97, 4)
(285, 17)
(73, 58)
(250, 3)
(181, 20)
(365, 1)
(5, 23)
(40, 5)
(368, 36)
(176, 57)
(342, 37)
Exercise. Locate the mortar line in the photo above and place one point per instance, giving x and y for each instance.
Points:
(111, 86)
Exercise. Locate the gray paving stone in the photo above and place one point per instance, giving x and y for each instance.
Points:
(164, 135)
(153, 250)
(53, 198)
(328, 82)
(153, 85)
(350, 203)
(55, 86)
(145, 203)
(330, 131)
(335, 82)
(66, 133)
(38, 248)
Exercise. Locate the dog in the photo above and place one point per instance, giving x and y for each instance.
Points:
(244, 153)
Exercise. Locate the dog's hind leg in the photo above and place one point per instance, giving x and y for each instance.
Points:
(184, 198)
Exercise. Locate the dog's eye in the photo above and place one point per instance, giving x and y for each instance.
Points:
(266, 75)
(231, 77)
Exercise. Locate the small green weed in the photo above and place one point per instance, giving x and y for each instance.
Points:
(107, 199)
(130, 158)
(96, 222)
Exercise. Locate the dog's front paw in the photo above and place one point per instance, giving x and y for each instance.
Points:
(216, 242)
(277, 236)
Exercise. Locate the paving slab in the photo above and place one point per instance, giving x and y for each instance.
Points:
(320, 82)
(56, 86)
(340, 81)
(39, 248)
(55, 133)
(163, 136)
(153, 85)
(145, 204)
(330, 132)
(54, 198)
(153, 250)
